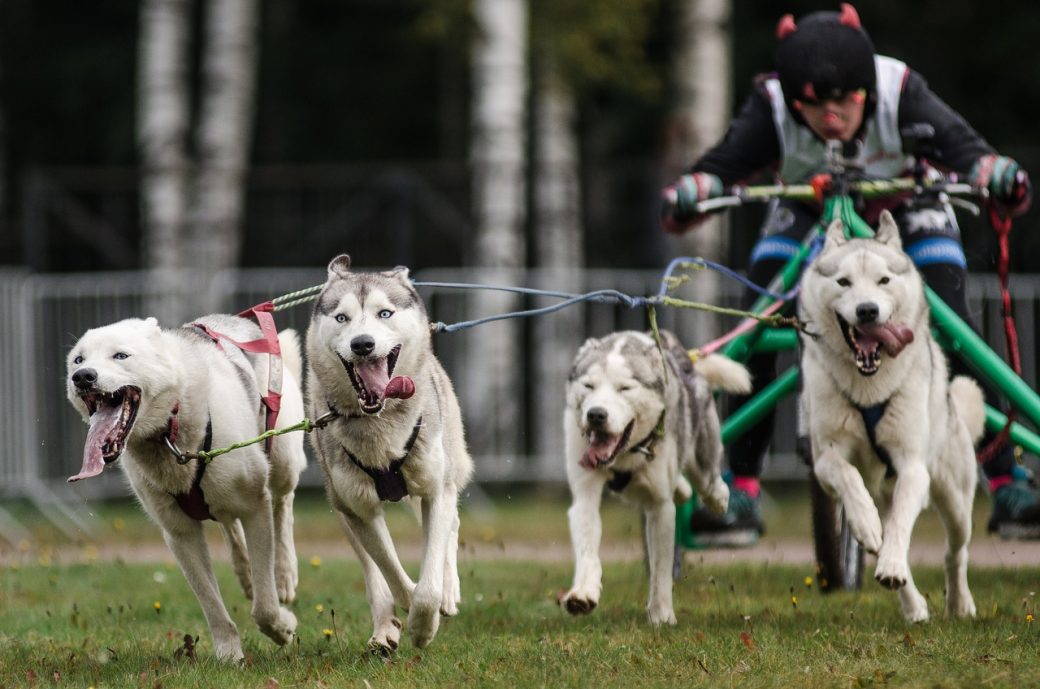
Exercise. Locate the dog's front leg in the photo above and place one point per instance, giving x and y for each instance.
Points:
(286, 567)
(439, 512)
(586, 532)
(452, 586)
(375, 538)
(278, 623)
(908, 499)
(660, 542)
(189, 548)
(842, 481)
(386, 628)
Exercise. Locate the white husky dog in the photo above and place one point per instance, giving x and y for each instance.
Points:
(141, 388)
(888, 429)
(398, 431)
(637, 419)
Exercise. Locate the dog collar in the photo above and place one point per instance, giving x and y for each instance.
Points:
(389, 481)
(646, 445)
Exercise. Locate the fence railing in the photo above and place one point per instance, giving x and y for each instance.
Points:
(42, 315)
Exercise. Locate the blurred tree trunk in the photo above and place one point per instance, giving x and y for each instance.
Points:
(703, 67)
(560, 256)
(162, 129)
(497, 161)
(192, 209)
(229, 67)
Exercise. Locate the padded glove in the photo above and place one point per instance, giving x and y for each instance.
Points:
(1007, 182)
(679, 200)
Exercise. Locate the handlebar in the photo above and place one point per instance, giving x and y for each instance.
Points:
(868, 188)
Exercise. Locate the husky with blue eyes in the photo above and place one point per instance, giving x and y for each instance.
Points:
(149, 395)
(395, 433)
(640, 421)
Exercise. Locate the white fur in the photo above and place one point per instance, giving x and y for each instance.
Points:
(385, 307)
(928, 428)
(625, 376)
(250, 494)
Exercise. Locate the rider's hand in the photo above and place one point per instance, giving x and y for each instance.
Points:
(679, 200)
(1007, 182)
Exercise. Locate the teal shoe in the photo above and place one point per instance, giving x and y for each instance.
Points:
(1016, 511)
(739, 527)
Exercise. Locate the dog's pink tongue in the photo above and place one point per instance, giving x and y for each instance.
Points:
(601, 448)
(892, 336)
(373, 373)
(400, 387)
(102, 423)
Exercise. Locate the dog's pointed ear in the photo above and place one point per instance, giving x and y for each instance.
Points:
(835, 234)
(888, 231)
(339, 267)
(399, 272)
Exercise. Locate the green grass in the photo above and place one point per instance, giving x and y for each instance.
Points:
(71, 620)
(740, 626)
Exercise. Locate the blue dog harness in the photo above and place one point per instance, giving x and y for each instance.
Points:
(871, 418)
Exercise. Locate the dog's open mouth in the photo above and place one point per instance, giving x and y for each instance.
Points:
(373, 382)
(867, 342)
(112, 416)
(604, 447)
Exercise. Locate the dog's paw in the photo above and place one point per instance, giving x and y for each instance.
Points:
(867, 529)
(716, 498)
(449, 606)
(577, 603)
(285, 584)
(424, 616)
(385, 639)
(660, 615)
(914, 606)
(229, 651)
(962, 605)
(281, 628)
(892, 572)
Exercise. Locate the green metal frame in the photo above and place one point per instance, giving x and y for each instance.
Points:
(952, 332)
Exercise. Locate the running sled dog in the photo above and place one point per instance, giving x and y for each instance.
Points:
(889, 431)
(143, 390)
(397, 432)
(639, 419)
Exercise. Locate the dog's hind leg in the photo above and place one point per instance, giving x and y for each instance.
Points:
(452, 595)
(236, 540)
(660, 540)
(953, 502)
(189, 549)
(278, 623)
(386, 627)
(286, 567)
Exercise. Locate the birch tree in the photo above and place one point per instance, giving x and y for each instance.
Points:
(497, 160)
(703, 69)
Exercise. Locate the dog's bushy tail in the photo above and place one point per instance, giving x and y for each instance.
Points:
(970, 404)
(724, 373)
(289, 341)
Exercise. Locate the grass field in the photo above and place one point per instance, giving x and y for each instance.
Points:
(81, 620)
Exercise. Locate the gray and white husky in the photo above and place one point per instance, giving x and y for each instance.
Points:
(398, 431)
(143, 389)
(888, 429)
(640, 419)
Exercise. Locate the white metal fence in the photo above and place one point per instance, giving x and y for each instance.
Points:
(41, 438)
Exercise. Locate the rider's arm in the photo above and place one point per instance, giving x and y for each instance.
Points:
(749, 146)
(957, 144)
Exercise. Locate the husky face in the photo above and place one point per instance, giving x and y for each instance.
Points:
(371, 325)
(616, 391)
(117, 375)
(866, 289)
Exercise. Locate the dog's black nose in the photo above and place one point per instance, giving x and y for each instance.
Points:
(597, 416)
(84, 378)
(362, 345)
(867, 312)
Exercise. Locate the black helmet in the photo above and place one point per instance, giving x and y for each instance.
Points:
(825, 55)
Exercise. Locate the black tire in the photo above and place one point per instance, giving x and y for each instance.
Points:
(839, 556)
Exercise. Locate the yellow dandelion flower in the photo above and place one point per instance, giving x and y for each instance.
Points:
(315, 561)
(319, 608)
(794, 601)
(158, 606)
(1029, 617)
(327, 632)
(808, 582)
(118, 524)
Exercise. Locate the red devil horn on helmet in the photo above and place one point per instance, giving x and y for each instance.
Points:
(849, 17)
(786, 26)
